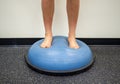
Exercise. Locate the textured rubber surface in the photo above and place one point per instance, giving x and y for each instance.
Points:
(59, 58)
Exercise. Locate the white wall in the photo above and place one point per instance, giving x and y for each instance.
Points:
(23, 19)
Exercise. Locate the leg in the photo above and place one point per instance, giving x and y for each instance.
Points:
(48, 11)
(72, 11)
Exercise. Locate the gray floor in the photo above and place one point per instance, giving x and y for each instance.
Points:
(106, 69)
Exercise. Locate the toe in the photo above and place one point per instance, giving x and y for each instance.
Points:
(74, 46)
(42, 45)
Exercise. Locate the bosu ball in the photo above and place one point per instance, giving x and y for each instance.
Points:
(59, 58)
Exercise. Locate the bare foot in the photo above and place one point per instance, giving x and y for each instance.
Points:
(73, 43)
(47, 41)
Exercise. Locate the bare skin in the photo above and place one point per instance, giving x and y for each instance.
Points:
(72, 11)
(48, 12)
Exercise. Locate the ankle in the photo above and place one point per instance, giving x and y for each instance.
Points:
(71, 35)
(48, 34)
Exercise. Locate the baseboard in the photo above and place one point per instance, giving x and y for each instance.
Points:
(89, 41)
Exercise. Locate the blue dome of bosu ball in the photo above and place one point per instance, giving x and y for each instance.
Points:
(59, 58)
